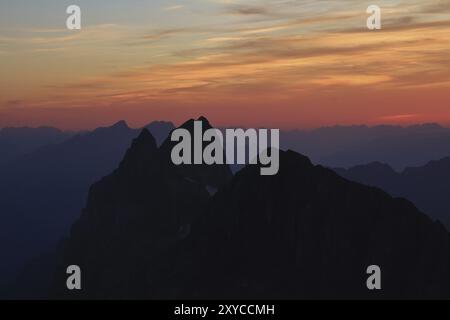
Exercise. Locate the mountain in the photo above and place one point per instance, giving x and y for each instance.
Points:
(345, 147)
(42, 192)
(151, 230)
(160, 130)
(15, 142)
(153, 203)
(426, 186)
(213, 176)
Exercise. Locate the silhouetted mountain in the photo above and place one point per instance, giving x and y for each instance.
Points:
(160, 130)
(211, 175)
(42, 193)
(428, 187)
(149, 231)
(341, 146)
(15, 142)
(132, 216)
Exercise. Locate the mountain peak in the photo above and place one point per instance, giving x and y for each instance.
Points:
(203, 119)
(146, 138)
(307, 217)
(160, 130)
(142, 150)
(189, 125)
(439, 166)
(214, 175)
(120, 124)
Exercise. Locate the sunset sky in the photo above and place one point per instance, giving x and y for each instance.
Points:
(274, 63)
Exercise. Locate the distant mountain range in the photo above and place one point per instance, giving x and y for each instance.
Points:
(15, 142)
(428, 186)
(42, 192)
(347, 146)
(152, 230)
(338, 146)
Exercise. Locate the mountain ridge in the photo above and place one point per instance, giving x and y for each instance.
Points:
(304, 233)
(426, 186)
(42, 192)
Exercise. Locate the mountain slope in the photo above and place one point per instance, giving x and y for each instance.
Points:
(426, 186)
(214, 175)
(308, 233)
(15, 142)
(132, 217)
(148, 232)
(346, 146)
(42, 193)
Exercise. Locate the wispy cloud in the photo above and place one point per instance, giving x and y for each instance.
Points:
(240, 9)
(436, 6)
(224, 49)
(174, 7)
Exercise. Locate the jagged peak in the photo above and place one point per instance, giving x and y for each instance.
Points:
(143, 148)
(204, 119)
(190, 123)
(145, 137)
(120, 124)
(441, 164)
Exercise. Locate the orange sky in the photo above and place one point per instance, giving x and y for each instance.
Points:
(287, 64)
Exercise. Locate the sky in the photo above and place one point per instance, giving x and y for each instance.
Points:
(271, 63)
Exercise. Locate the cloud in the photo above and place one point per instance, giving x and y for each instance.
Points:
(174, 7)
(282, 64)
(246, 10)
(400, 118)
(278, 48)
(439, 6)
(12, 104)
